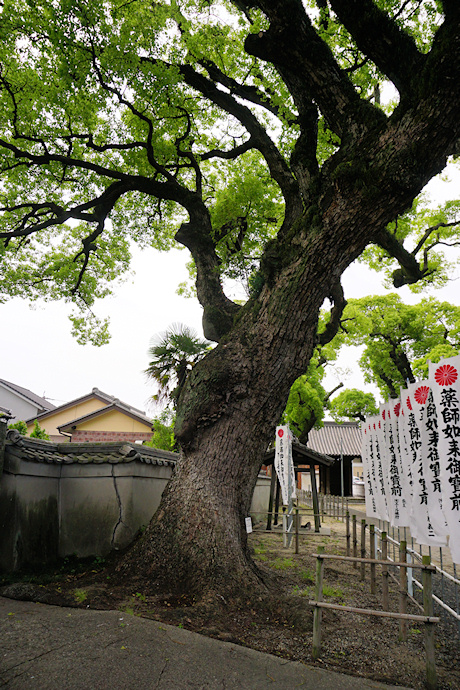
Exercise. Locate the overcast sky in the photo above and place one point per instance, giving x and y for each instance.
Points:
(38, 352)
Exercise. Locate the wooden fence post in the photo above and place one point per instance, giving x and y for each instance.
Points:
(297, 530)
(372, 552)
(348, 532)
(431, 678)
(403, 591)
(355, 542)
(363, 547)
(317, 614)
(385, 599)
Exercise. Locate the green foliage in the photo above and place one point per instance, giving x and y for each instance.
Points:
(80, 595)
(106, 136)
(333, 592)
(399, 339)
(19, 426)
(353, 404)
(163, 432)
(283, 563)
(305, 405)
(428, 231)
(38, 432)
(308, 400)
(173, 353)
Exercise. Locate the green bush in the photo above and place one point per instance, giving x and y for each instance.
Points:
(38, 432)
(19, 426)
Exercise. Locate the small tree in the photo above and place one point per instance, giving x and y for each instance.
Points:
(173, 353)
(400, 338)
(19, 426)
(163, 432)
(38, 432)
(353, 404)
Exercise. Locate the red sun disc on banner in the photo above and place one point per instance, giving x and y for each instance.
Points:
(397, 409)
(281, 433)
(408, 403)
(446, 375)
(421, 394)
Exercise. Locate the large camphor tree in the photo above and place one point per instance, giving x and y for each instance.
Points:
(252, 134)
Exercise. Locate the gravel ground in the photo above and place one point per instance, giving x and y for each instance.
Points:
(282, 622)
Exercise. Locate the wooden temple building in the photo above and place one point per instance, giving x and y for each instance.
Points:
(327, 459)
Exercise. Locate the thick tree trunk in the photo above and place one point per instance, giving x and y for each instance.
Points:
(233, 399)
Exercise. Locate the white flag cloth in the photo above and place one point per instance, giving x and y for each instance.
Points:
(431, 465)
(284, 464)
(398, 503)
(445, 381)
(386, 457)
(406, 423)
(376, 468)
(369, 484)
(422, 487)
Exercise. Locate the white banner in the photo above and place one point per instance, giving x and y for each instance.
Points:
(410, 451)
(445, 382)
(406, 474)
(376, 469)
(284, 464)
(431, 464)
(422, 488)
(369, 487)
(398, 504)
(411, 459)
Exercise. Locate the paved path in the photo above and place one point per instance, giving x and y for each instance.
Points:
(52, 648)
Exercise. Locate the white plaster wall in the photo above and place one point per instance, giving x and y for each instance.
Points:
(260, 499)
(21, 409)
(50, 510)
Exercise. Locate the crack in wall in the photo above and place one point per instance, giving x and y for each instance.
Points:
(120, 508)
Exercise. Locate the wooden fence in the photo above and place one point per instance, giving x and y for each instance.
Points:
(403, 617)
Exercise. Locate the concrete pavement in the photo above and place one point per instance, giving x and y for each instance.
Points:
(49, 648)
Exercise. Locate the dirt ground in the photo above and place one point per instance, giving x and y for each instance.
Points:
(351, 643)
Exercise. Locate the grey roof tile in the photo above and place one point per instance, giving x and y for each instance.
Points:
(36, 450)
(335, 439)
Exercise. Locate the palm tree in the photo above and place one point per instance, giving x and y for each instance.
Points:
(173, 353)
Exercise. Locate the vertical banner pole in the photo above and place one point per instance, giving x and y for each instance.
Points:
(297, 519)
(363, 548)
(355, 542)
(372, 551)
(431, 678)
(403, 591)
(385, 597)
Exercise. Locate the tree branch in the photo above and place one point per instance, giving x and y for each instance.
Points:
(339, 302)
(261, 140)
(229, 155)
(380, 38)
(430, 231)
(247, 93)
(219, 311)
(308, 66)
(410, 271)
